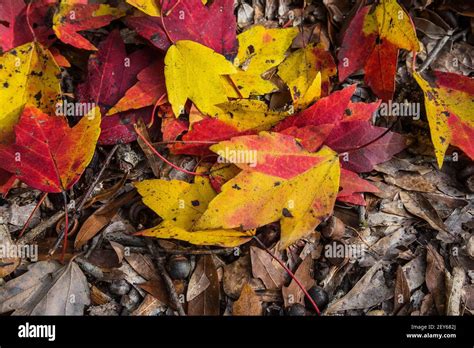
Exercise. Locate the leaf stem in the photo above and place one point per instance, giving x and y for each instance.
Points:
(154, 110)
(27, 223)
(162, 157)
(66, 225)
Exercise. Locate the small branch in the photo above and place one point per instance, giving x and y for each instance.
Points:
(435, 52)
(167, 279)
(38, 230)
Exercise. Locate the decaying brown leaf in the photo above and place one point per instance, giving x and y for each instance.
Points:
(435, 278)
(236, 275)
(47, 289)
(369, 291)
(248, 303)
(402, 293)
(273, 276)
(206, 300)
(292, 293)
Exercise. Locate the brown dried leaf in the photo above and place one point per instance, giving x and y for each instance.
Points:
(149, 306)
(435, 277)
(369, 291)
(292, 293)
(143, 265)
(248, 303)
(207, 302)
(273, 276)
(411, 182)
(100, 218)
(47, 289)
(236, 275)
(402, 293)
(157, 289)
(7, 263)
(419, 206)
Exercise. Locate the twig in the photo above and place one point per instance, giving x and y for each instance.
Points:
(38, 230)
(167, 279)
(435, 52)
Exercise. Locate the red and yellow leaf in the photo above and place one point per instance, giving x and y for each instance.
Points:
(47, 154)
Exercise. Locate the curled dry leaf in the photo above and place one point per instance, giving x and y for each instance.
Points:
(99, 219)
(402, 293)
(418, 205)
(236, 275)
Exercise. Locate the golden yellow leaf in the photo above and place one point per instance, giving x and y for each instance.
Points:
(300, 72)
(28, 74)
(180, 204)
(177, 201)
(247, 114)
(260, 49)
(150, 7)
(218, 237)
(395, 25)
(194, 71)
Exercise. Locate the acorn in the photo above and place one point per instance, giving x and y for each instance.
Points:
(179, 267)
(334, 228)
(296, 310)
(274, 310)
(319, 296)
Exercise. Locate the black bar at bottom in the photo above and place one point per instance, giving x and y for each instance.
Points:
(419, 331)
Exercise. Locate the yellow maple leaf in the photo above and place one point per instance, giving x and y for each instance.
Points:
(450, 112)
(395, 25)
(177, 201)
(28, 74)
(260, 49)
(180, 204)
(248, 114)
(300, 72)
(219, 237)
(194, 71)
